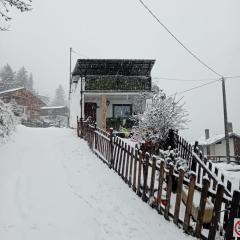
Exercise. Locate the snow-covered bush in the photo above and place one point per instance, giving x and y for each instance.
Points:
(155, 122)
(7, 120)
(173, 157)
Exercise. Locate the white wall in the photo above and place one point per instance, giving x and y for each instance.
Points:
(74, 104)
(220, 149)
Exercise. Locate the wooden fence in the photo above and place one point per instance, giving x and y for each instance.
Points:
(165, 189)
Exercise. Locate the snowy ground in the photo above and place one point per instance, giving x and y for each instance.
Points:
(232, 172)
(53, 187)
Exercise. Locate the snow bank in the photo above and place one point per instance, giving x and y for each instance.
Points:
(7, 121)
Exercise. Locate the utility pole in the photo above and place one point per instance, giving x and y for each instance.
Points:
(225, 120)
(70, 72)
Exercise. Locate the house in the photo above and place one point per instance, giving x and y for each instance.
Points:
(55, 115)
(25, 103)
(215, 145)
(107, 90)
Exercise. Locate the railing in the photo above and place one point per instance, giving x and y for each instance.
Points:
(220, 159)
(164, 188)
(201, 165)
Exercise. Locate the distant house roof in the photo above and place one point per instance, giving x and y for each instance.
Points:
(12, 93)
(11, 90)
(124, 67)
(215, 138)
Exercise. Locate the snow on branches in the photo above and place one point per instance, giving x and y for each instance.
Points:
(156, 121)
(7, 120)
(5, 5)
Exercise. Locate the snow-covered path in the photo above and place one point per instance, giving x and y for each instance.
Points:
(53, 187)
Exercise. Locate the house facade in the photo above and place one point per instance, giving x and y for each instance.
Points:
(24, 102)
(215, 145)
(108, 90)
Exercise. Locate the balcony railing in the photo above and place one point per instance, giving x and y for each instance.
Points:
(118, 83)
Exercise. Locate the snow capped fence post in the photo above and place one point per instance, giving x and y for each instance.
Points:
(127, 165)
(145, 176)
(216, 212)
(178, 196)
(81, 128)
(202, 205)
(169, 191)
(134, 188)
(111, 163)
(131, 168)
(78, 127)
(139, 173)
(170, 141)
(189, 202)
(153, 173)
(160, 187)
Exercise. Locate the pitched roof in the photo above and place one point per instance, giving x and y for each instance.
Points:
(124, 67)
(11, 90)
(215, 138)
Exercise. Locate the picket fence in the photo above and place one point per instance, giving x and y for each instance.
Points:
(151, 180)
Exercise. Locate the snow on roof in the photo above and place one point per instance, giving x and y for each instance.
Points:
(53, 107)
(215, 138)
(11, 90)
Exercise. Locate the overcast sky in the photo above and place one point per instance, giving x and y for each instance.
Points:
(40, 41)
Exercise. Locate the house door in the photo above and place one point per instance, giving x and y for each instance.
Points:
(90, 110)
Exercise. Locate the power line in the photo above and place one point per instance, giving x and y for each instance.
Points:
(188, 50)
(79, 54)
(183, 80)
(193, 88)
(232, 77)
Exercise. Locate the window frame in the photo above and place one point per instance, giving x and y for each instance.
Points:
(121, 105)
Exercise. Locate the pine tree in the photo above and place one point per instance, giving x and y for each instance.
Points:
(59, 99)
(29, 84)
(22, 77)
(7, 75)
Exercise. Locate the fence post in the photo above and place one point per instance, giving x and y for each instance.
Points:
(151, 193)
(233, 214)
(202, 206)
(81, 128)
(169, 191)
(78, 127)
(160, 187)
(170, 141)
(216, 212)
(189, 202)
(178, 196)
(111, 148)
(145, 176)
(139, 173)
(134, 188)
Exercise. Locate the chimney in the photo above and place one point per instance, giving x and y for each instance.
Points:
(207, 134)
(230, 127)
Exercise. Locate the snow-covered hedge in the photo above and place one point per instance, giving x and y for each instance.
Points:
(7, 120)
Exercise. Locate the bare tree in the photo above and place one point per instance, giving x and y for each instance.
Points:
(5, 5)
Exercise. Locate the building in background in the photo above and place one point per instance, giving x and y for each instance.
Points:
(110, 90)
(214, 146)
(25, 104)
(57, 116)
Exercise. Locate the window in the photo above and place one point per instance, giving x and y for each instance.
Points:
(122, 110)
